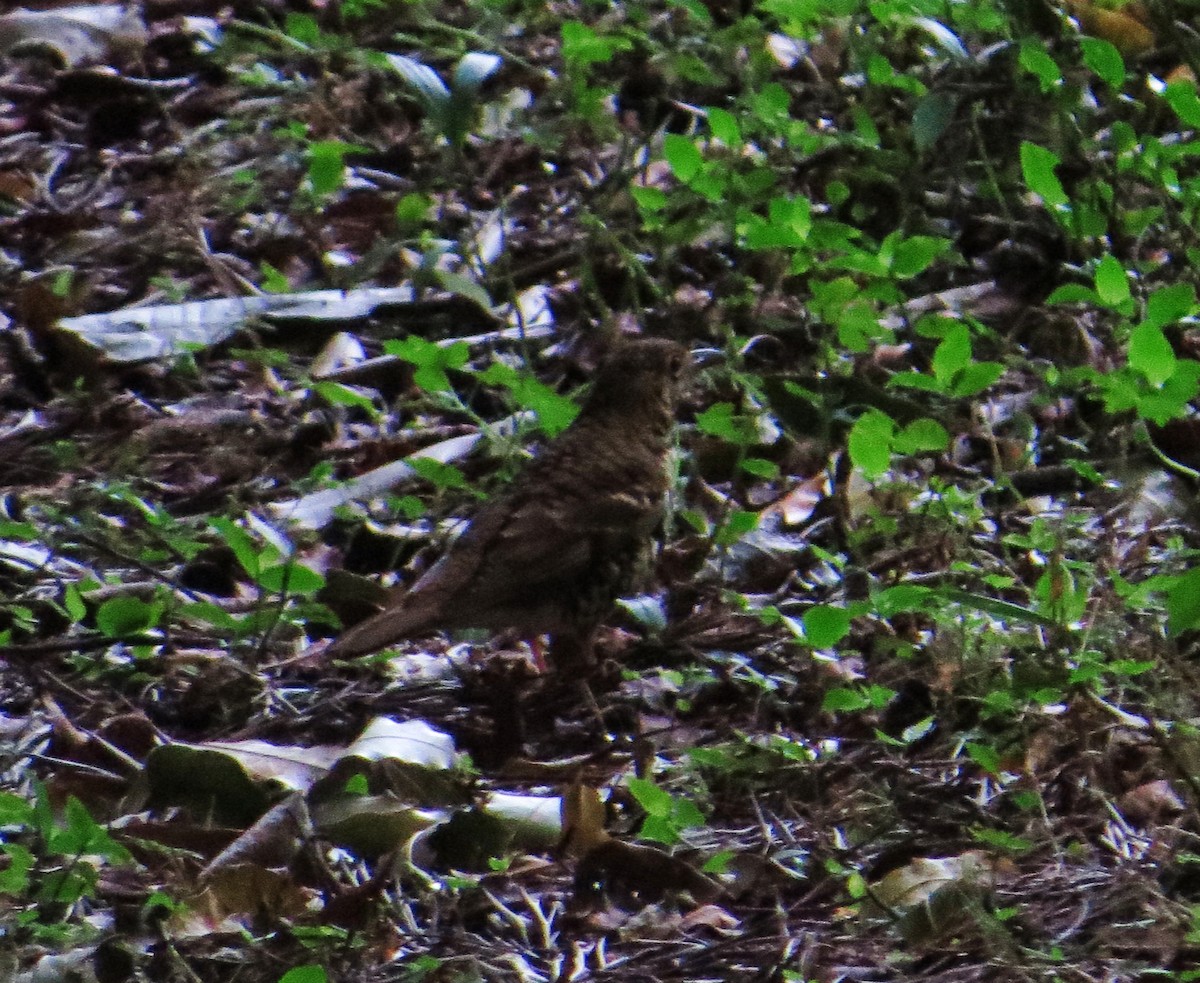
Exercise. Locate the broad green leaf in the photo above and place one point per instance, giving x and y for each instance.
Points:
(720, 420)
(986, 757)
(583, 46)
(1103, 59)
(952, 354)
(870, 443)
(413, 208)
(843, 700)
(1183, 603)
(760, 468)
(302, 27)
(921, 435)
(932, 117)
(975, 378)
(295, 578)
(305, 974)
(683, 156)
(724, 126)
(1181, 97)
(1036, 60)
(326, 165)
(1112, 282)
(1073, 293)
(121, 616)
(1037, 167)
(650, 797)
(1151, 354)
(238, 540)
(913, 256)
(825, 626)
(736, 526)
(903, 598)
(439, 474)
(1166, 305)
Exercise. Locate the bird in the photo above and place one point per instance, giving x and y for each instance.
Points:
(553, 551)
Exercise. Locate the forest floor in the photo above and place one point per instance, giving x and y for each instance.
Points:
(900, 701)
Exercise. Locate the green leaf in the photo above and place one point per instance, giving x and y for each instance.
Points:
(555, 412)
(825, 626)
(119, 617)
(1035, 59)
(583, 46)
(73, 602)
(80, 834)
(1181, 97)
(650, 201)
(1183, 603)
(921, 435)
(986, 757)
(1103, 59)
(844, 701)
(720, 420)
(463, 286)
(302, 28)
(305, 974)
(295, 578)
(913, 256)
(14, 810)
(273, 280)
(1151, 354)
(952, 355)
(724, 127)
(902, 599)
(975, 378)
(1112, 282)
(650, 797)
(1073, 293)
(916, 380)
(439, 474)
(1037, 167)
(327, 165)
(431, 360)
(683, 156)
(736, 526)
(999, 839)
(870, 443)
(932, 117)
(338, 394)
(1166, 305)
(1168, 403)
(413, 209)
(659, 829)
(760, 468)
(14, 872)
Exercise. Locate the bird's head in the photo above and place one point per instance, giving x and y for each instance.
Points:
(640, 373)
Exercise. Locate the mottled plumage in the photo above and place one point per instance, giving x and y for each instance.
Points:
(552, 552)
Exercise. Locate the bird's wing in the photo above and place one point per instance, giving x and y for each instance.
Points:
(499, 560)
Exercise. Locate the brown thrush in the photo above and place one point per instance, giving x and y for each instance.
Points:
(553, 552)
